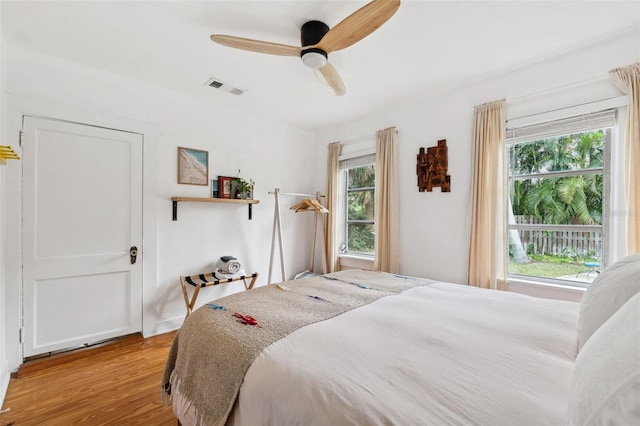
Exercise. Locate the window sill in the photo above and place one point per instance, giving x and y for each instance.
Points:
(352, 261)
(545, 290)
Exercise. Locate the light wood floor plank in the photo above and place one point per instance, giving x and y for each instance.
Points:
(115, 384)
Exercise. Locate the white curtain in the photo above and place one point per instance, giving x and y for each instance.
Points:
(331, 225)
(386, 223)
(627, 79)
(487, 245)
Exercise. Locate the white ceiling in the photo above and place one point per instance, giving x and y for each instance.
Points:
(425, 48)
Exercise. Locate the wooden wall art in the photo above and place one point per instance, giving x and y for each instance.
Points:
(432, 168)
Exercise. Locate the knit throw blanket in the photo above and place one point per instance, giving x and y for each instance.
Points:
(213, 349)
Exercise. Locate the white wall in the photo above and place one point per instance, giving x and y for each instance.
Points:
(4, 370)
(272, 154)
(434, 226)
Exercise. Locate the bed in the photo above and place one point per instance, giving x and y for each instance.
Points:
(362, 347)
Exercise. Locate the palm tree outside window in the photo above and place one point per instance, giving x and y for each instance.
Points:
(557, 198)
(360, 209)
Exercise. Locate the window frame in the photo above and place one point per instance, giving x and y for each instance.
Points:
(362, 160)
(513, 139)
(348, 221)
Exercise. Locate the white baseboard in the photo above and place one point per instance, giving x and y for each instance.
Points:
(168, 325)
(5, 376)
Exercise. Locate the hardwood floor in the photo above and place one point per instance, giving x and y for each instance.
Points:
(115, 384)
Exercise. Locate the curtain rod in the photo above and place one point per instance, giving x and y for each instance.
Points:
(363, 138)
(556, 89)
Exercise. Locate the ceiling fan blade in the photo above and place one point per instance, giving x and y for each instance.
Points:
(358, 25)
(256, 45)
(330, 78)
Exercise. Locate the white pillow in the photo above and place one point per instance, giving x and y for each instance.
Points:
(605, 383)
(610, 290)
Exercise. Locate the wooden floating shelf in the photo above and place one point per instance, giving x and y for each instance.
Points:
(176, 200)
(215, 200)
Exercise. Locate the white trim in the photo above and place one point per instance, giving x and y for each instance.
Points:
(604, 119)
(5, 377)
(557, 89)
(359, 161)
(168, 325)
(358, 148)
(350, 261)
(355, 154)
(545, 290)
(573, 111)
(610, 184)
(618, 208)
(18, 105)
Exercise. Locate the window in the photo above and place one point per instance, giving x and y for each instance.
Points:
(557, 177)
(359, 201)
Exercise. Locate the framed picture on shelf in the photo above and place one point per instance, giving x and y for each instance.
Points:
(224, 186)
(214, 189)
(193, 166)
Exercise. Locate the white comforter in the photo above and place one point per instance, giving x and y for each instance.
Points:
(435, 355)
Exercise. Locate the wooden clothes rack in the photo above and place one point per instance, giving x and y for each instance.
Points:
(307, 205)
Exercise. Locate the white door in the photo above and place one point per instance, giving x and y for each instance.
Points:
(82, 212)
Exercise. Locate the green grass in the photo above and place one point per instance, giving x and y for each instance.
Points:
(547, 266)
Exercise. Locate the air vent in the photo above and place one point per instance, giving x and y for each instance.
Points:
(217, 84)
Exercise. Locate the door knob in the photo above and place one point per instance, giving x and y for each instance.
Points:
(133, 252)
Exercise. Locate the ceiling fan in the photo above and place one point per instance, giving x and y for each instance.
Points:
(318, 40)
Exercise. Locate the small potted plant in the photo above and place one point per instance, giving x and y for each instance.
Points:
(246, 187)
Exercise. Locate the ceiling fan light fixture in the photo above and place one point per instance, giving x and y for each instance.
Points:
(314, 58)
(317, 40)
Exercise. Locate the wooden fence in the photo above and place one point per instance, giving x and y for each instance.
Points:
(582, 243)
